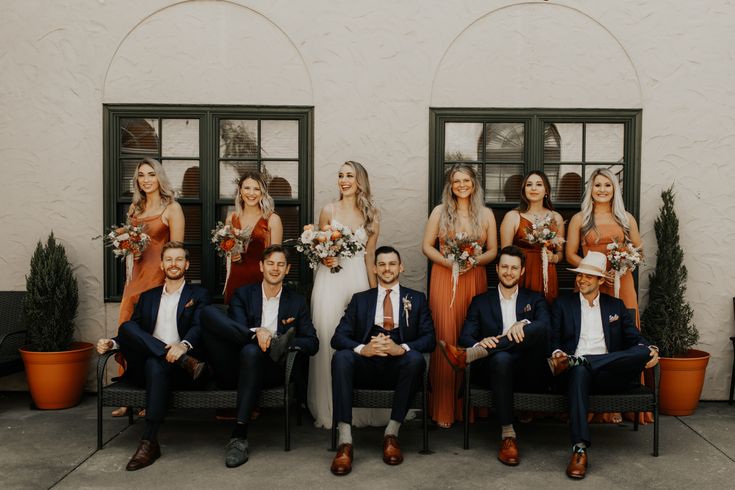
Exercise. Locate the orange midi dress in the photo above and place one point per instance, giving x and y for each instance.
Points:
(533, 278)
(247, 269)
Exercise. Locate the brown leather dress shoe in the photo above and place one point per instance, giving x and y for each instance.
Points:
(457, 357)
(342, 462)
(577, 466)
(508, 453)
(558, 364)
(392, 454)
(145, 455)
(192, 366)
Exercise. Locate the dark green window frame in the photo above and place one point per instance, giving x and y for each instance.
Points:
(534, 121)
(209, 196)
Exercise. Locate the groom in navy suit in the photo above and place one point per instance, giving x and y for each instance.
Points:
(161, 344)
(505, 333)
(597, 347)
(380, 342)
(246, 346)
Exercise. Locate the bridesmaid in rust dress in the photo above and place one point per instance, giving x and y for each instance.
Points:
(462, 210)
(155, 207)
(602, 220)
(254, 211)
(535, 206)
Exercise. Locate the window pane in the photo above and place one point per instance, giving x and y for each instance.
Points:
(503, 183)
(462, 141)
(194, 274)
(139, 136)
(127, 169)
(604, 143)
(617, 170)
(504, 142)
(193, 223)
(238, 139)
(229, 174)
(563, 142)
(284, 179)
(180, 137)
(280, 139)
(183, 176)
(566, 182)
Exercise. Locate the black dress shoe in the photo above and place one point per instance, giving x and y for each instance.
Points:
(145, 455)
(279, 345)
(192, 366)
(236, 452)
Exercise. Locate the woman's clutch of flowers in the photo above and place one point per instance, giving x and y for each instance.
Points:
(623, 256)
(335, 240)
(229, 241)
(543, 231)
(462, 250)
(126, 240)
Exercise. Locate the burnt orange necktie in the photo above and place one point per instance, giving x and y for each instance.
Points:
(387, 311)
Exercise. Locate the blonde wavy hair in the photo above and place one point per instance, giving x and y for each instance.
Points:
(449, 216)
(267, 206)
(618, 207)
(364, 198)
(168, 195)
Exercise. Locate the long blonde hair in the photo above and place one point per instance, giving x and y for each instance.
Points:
(618, 207)
(267, 206)
(168, 195)
(449, 216)
(363, 197)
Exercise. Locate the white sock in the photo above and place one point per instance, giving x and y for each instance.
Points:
(345, 433)
(392, 428)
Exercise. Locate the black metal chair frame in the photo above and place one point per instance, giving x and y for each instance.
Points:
(122, 394)
(373, 398)
(639, 399)
(12, 331)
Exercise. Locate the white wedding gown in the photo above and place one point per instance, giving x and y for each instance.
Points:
(329, 298)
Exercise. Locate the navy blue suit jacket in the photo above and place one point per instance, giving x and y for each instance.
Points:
(246, 308)
(485, 318)
(617, 324)
(359, 318)
(192, 300)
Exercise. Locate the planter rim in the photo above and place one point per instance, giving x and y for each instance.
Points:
(75, 347)
(692, 354)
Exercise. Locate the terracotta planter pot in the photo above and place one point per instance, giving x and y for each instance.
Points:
(56, 379)
(682, 379)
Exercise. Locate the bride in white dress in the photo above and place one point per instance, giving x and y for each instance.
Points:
(333, 291)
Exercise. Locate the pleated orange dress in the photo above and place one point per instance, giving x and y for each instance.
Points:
(533, 278)
(598, 242)
(448, 323)
(147, 273)
(247, 269)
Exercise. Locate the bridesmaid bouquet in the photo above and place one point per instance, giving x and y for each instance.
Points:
(543, 232)
(230, 242)
(335, 240)
(463, 252)
(127, 242)
(623, 257)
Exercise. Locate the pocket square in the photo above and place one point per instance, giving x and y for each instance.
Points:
(288, 320)
(613, 318)
(527, 308)
(189, 303)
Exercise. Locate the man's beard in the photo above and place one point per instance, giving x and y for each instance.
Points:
(174, 276)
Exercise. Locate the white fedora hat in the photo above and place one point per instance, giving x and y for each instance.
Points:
(594, 264)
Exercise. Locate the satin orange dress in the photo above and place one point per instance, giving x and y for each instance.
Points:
(147, 273)
(598, 242)
(533, 278)
(247, 269)
(448, 322)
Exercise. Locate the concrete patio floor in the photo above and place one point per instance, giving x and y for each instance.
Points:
(56, 449)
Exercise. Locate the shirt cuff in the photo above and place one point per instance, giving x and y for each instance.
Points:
(557, 350)
(115, 345)
(358, 349)
(406, 347)
(187, 344)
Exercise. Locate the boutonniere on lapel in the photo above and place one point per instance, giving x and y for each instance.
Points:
(189, 303)
(613, 318)
(406, 307)
(527, 308)
(289, 320)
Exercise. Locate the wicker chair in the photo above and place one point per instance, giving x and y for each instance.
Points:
(373, 398)
(122, 394)
(12, 331)
(638, 399)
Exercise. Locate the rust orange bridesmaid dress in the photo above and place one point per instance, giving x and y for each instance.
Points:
(247, 269)
(533, 278)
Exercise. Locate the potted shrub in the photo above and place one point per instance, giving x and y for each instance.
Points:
(56, 366)
(667, 320)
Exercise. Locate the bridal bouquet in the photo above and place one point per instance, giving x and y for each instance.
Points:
(335, 240)
(462, 251)
(127, 243)
(543, 232)
(623, 257)
(230, 242)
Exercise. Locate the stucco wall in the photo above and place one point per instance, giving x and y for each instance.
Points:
(371, 70)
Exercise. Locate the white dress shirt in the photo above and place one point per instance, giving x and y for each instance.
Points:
(395, 297)
(508, 309)
(591, 335)
(269, 317)
(166, 329)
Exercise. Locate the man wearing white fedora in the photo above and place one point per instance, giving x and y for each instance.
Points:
(596, 348)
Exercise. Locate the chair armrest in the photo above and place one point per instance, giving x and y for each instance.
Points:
(101, 363)
(290, 360)
(6, 337)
